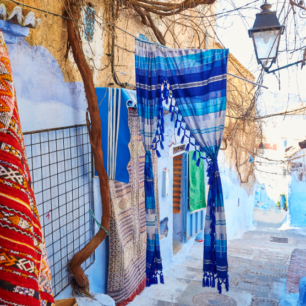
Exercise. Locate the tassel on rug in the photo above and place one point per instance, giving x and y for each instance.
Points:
(209, 280)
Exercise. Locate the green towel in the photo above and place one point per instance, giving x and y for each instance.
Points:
(196, 184)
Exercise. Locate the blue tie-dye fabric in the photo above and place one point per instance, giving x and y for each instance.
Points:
(197, 80)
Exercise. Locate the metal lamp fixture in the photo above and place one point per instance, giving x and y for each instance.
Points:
(266, 34)
(261, 146)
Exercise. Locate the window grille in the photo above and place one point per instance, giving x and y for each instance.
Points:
(89, 23)
(60, 161)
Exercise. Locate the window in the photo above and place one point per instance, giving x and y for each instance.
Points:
(60, 161)
(284, 173)
(285, 143)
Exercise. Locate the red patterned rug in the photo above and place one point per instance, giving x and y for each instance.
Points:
(25, 277)
(297, 270)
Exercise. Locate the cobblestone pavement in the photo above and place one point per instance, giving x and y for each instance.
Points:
(258, 268)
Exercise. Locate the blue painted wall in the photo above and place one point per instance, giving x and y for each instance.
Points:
(297, 195)
(262, 199)
(238, 218)
(44, 99)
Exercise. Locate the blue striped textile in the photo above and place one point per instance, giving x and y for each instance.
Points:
(153, 261)
(194, 82)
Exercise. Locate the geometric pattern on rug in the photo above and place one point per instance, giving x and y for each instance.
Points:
(128, 233)
(25, 277)
(297, 270)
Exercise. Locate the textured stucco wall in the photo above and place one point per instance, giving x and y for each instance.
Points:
(297, 203)
(45, 100)
(297, 194)
(240, 217)
(52, 34)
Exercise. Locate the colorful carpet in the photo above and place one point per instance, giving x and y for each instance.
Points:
(297, 270)
(177, 177)
(127, 234)
(25, 277)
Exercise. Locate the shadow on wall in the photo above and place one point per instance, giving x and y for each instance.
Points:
(44, 99)
(239, 207)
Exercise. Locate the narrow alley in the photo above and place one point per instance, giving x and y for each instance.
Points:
(258, 267)
(152, 153)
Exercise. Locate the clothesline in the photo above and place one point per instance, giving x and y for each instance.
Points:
(138, 38)
(238, 77)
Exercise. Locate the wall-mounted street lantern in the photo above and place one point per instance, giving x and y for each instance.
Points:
(266, 34)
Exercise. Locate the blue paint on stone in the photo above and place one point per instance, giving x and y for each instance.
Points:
(14, 29)
(302, 292)
(10, 39)
(44, 99)
(89, 23)
(12, 32)
(296, 200)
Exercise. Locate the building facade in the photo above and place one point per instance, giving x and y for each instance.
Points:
(52, 106)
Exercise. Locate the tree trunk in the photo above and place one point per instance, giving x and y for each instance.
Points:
(95, 133)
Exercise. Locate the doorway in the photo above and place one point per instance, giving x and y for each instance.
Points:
(177, 200)
(186, 224)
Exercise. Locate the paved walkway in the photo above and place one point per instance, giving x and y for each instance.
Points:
(258, 268)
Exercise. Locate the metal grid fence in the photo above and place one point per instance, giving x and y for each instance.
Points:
(60, 161)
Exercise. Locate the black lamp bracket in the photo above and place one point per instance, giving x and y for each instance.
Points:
(266, 69)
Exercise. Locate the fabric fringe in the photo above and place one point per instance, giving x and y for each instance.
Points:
(166, 97)
(210, 278)
(138, 290)
(153, 279)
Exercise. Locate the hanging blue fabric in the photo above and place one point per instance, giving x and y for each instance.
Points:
(193, 83)
(153, 266)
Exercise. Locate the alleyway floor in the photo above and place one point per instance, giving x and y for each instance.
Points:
(258, 269)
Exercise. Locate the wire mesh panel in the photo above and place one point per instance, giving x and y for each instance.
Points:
(60, 161)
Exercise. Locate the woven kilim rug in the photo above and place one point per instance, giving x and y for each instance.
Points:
(127, 233)
(25, 277)
(177, 178)
(297, 270)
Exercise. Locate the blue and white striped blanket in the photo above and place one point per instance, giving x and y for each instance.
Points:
(193, 82)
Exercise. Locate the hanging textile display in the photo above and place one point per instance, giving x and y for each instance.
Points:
(192, 83)
(148, 112)
(116, 133)
(25, 277)
(196, 183)
(127, 234)
(177, 183)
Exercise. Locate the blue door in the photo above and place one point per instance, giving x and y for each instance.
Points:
(193, 223)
